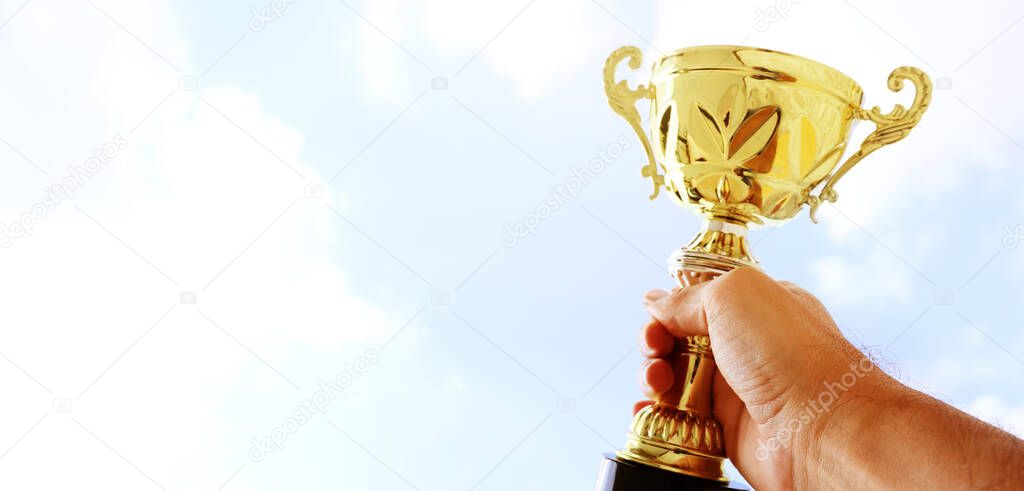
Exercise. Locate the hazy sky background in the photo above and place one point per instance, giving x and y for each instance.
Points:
(298, 192)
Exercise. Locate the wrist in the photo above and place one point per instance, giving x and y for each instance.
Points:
(847, 412)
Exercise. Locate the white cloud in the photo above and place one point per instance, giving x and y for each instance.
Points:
(536, 49)
(453, 384)
(546, 46)
(678, 25)
(384, 71)
(183, 203)
(465, 24)
(878, 279)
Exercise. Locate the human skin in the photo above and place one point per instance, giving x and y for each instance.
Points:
(778, 351)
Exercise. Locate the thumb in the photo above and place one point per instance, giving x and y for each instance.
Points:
(680, 311)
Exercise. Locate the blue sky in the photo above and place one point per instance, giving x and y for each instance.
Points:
(295, 202)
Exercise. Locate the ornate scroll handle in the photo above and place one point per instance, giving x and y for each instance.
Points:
(622, 99)
(889, 128)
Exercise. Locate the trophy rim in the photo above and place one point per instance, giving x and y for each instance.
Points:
(851, 93)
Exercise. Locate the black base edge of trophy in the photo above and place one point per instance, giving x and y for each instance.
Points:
(621, 475)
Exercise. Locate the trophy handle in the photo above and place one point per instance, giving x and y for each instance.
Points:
(889, 128)
(622, 99)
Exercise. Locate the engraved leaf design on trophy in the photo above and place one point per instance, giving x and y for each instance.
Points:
(733, 144)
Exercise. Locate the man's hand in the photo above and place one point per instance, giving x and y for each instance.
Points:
(799, 405)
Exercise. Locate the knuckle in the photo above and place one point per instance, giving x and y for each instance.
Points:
(734, 283)
(733, 290)
(790, 285)
(742, 278)
(803, 295)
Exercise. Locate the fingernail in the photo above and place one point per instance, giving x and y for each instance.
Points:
(654, 295)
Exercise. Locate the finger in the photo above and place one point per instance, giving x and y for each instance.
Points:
(681, 312)
(655, 340)
(656, 377)
(640, 405)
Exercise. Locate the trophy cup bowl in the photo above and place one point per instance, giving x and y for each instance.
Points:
(743, 136)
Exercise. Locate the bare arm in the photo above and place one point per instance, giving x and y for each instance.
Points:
(803, 408)
(890, 435)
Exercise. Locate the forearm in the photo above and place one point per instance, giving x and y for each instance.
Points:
(887, 435)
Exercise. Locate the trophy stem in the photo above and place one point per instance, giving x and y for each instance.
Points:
(679, 433)
(720, 247)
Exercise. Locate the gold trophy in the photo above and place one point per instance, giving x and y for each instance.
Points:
(743, 136)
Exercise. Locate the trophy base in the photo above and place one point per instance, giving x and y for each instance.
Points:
(621, 475)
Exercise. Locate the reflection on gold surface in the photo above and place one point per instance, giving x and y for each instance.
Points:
(747, 133)
(742, 135)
